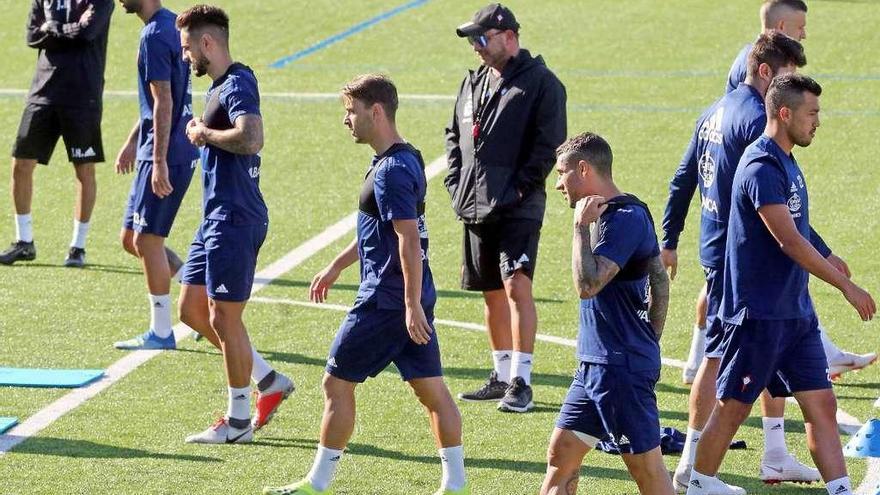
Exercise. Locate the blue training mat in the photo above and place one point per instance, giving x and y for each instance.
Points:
(36, 377)
(7, 423)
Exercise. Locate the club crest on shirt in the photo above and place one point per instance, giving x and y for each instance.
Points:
(707, 169)
(794, 203)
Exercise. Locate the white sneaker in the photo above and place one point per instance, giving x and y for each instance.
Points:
(787, 469)
(848, 361)
(221, 432)
(695, 355)
(716, 487)
(681, 477)
(877, 404)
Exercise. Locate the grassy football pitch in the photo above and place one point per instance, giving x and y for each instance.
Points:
(637, 72)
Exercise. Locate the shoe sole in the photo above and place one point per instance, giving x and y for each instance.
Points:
(508, 408)
(467, 399)
(12, 261)
(836, 376)
(284, 395)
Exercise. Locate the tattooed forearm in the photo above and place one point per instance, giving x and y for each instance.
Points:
(590, 272)
(246, 138)
(658, 300)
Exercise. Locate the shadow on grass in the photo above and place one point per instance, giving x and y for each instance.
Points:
(441, 293)
(754, 421)
(665, 388)
(89, 266)
(84, 449)
(471, 462)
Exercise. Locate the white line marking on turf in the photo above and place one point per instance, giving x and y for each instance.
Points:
(283, 95)
(130, 361)
(847, 423)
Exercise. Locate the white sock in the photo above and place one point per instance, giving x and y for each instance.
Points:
(160, 315)
(80, 231)
(261, 367)
(452, 460)
(501, 359)
(840, 486)
(698, 346)
(689, 454)
(774, 438)
(239, 403)
(703, 485)
(832, 352)
(24, 230)
(523, 363)
(324, 468)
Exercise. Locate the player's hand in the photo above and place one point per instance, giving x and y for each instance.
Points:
(86, 17)
(126, 157)
(839, 264)
(417, 324)
(195, 131)
(321, 284)
(588, 210)
(861, 300)
(669, 257)
(159, 180)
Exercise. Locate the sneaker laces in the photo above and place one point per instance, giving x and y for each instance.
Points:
(219, 423)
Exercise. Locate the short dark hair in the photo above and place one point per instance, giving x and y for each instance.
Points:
(202, 16)
(776, 50)
(788, 90)
(772, 10)
(372, 89)
(591, 148)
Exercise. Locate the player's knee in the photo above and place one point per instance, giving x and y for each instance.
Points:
(23, 168)
(519, 287)
(335, 390)
(126, 239)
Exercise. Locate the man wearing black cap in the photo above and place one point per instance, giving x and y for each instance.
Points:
(509, 119)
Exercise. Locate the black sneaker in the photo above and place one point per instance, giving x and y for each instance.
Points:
(18, 251)
(76, 258)
(492, 390)
(517, 398)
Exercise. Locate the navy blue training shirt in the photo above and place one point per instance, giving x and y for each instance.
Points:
(394, 189)
(721, 136)
(159, 59)
(232, 181)
(614, 324)
(760, 281)
(739, 69)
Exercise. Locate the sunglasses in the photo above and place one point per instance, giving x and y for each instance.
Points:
(482, 40)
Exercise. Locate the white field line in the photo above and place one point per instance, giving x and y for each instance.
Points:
(279, 95)
(131, 360)
(847, 423)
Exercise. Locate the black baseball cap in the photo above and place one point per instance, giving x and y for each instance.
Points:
(492, 16)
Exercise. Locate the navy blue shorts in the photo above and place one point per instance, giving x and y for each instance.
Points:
(714, 326)
(147, 213)
(369, 339)
(613, 403)
(783, 356)
(223, 258)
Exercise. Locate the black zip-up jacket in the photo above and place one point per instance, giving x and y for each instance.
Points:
(500, 173)
(72, 51)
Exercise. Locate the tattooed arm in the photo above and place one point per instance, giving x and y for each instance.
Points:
(590, 272)
(658, 300)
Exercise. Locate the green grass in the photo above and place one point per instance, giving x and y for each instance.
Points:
(637, 72)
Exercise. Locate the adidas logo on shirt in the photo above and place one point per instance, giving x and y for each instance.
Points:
(222, 289)
(623, 440)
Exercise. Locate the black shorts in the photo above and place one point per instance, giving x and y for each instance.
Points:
(493, 252)
(42, 125)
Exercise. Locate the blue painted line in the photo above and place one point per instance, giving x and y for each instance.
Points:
(280, 63)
